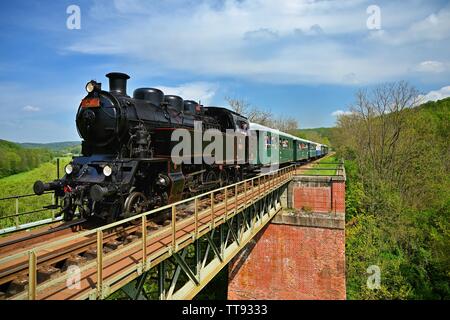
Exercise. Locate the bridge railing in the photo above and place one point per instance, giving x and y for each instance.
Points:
(208, 210)
(13, 219)
(40, 209)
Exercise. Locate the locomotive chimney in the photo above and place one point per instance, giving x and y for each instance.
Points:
(118, 82)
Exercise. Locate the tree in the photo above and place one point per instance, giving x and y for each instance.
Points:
(262, 117)
(238, 105)
(383, 121)
(398, 193)
(377, 134)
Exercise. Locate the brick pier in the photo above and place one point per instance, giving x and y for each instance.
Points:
(301, 253)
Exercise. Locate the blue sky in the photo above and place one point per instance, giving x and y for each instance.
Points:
(300, 58)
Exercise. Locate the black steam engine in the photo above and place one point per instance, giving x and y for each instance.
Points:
(126, 166)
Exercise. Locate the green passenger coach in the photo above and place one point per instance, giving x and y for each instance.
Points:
(301, 150)
(286, 147)
(267, 143)
(271, 146)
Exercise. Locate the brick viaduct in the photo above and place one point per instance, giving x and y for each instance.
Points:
(300, 254)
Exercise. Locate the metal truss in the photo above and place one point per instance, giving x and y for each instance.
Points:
(188, 271)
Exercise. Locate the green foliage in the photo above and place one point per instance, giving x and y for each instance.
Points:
(354, 193)
(398, 207)
(366, 245)
(412, 253)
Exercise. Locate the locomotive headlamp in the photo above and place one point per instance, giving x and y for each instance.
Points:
(107, 170)
(90, 87)
(68, 169)
(93, 86)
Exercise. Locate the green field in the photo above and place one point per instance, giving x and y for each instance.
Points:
(21, 184)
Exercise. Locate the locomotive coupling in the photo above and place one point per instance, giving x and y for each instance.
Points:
(40, 187)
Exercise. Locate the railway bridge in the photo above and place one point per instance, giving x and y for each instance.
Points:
(281, 234)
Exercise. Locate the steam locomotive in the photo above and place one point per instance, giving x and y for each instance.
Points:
(127, 166)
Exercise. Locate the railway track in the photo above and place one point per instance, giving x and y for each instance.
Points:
(82, 251)
(25, 239)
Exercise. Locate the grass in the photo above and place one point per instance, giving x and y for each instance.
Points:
(22, 183)
(330, 158)
(317, 169)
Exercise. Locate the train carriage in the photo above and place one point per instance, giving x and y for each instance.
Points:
(286, 147)
(264, 145)
(318, 150)
(312, 150)
(301, 150)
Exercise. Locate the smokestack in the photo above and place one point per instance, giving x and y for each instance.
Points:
(118, 82)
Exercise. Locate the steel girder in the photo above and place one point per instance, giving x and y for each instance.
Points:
(187, 272)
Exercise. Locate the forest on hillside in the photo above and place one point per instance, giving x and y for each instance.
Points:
(60, 147)
(15, 159)
(398, 194)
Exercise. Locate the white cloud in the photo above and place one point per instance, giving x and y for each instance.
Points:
(434, 27)
(262, 34)
(339, 113)
(431, 66)
(197, 91)
(31, 109)
(435, 95)
(277, 41)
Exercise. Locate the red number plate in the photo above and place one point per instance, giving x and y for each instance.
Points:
(90, 103)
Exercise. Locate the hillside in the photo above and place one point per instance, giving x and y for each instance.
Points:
(59, 147)
(14, 158)
(55, 146)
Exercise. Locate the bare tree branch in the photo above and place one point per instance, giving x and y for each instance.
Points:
(263, 117)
